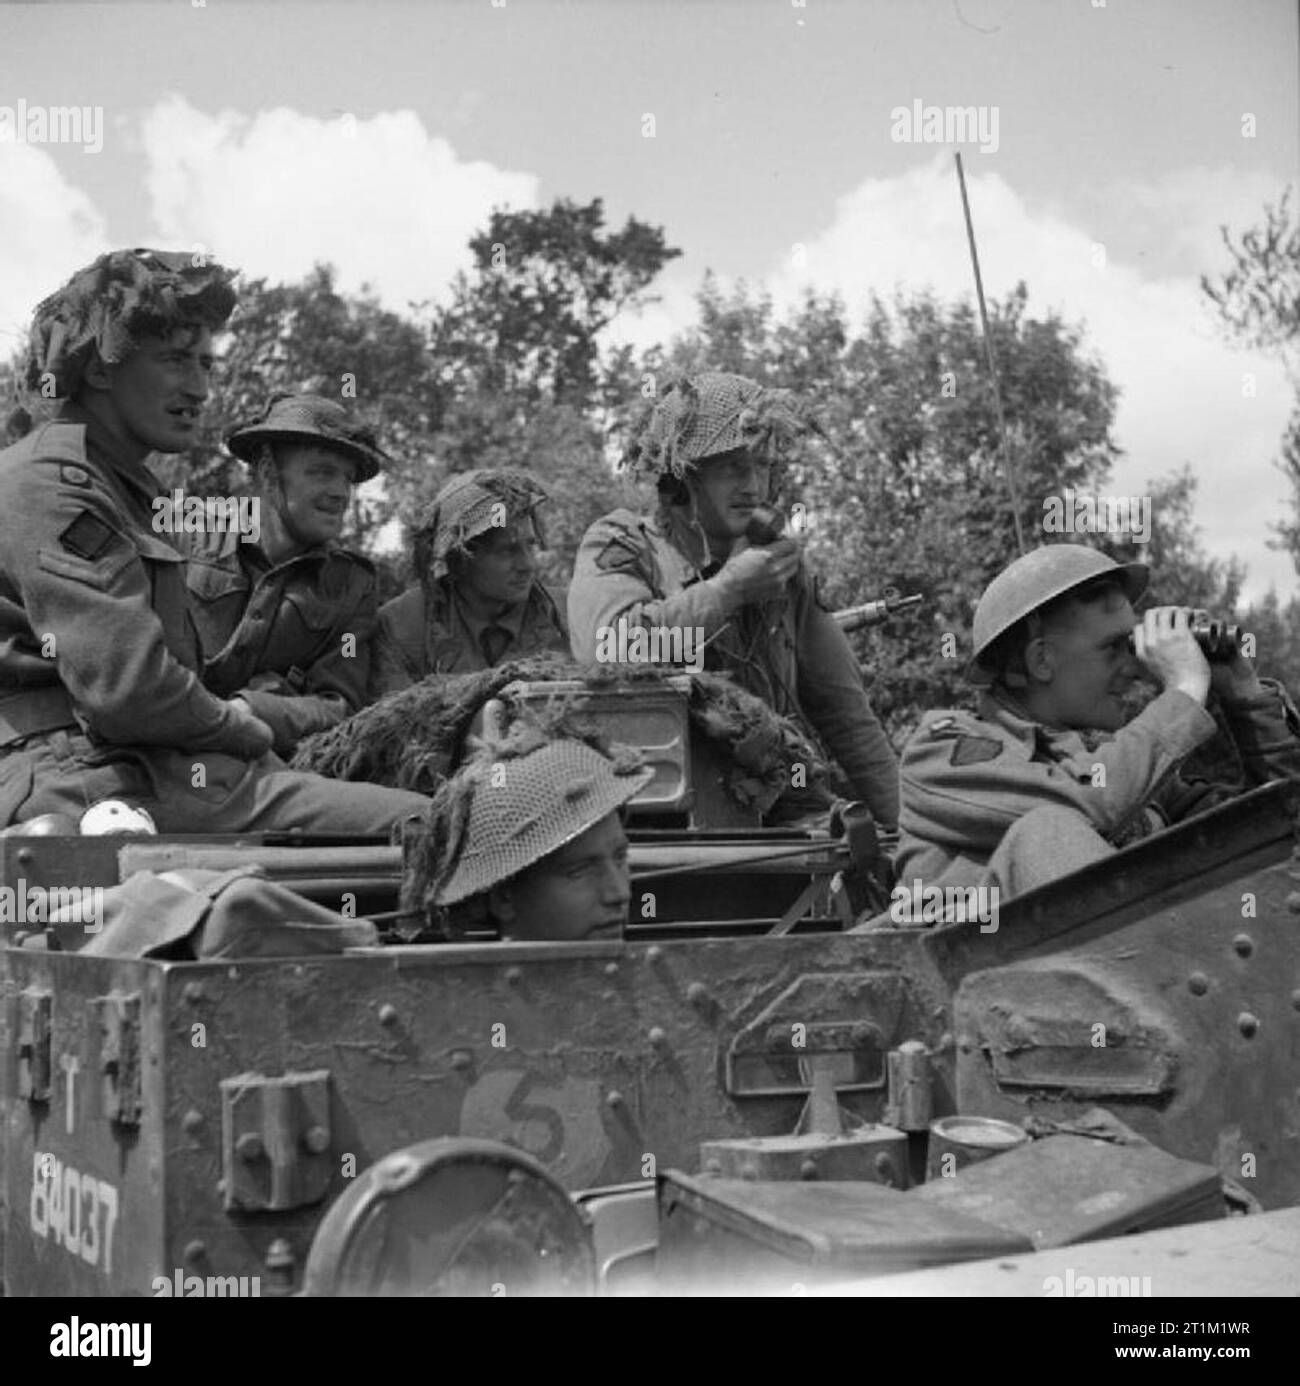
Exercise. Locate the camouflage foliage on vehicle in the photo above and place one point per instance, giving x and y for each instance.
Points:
(415, 738)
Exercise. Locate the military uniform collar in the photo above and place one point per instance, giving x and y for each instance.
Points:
(997, 705)
(101, 446)
(680, 527)
(317, 554)
(1000, 706)
(511, 620)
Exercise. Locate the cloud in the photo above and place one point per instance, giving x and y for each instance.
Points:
(381, 199)
(1185, 392)
(50, 229)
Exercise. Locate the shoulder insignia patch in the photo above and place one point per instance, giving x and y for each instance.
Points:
(72, 475)
(87, 536)
(620, 555)
(974, 750)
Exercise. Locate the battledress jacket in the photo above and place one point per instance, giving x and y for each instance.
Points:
(789, 652)
(96, 634)
(100, 659)
(966, 778)
(417, 638)
(277, 635)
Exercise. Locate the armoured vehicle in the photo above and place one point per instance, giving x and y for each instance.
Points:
(494, 1117)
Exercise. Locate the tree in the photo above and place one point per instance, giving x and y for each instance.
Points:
(1259, 297)
(516, 364)
(1182, 573)
(525, 322)
(1259, 302)
(908, 490)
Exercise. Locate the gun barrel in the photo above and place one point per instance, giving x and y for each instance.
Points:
(872, 613)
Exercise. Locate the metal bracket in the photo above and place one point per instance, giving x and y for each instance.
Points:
(275, 1140)
(34, 1061)
(119, 1056)
(850, 1015)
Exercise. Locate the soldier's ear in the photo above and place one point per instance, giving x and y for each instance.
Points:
(1039, 659)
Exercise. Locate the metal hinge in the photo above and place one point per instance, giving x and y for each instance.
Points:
(34, 1063)
(119, 1056)
(275, 1140)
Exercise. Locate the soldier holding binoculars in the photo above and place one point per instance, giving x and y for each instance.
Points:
(1052, 773)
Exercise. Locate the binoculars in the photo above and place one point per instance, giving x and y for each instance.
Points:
(1219, 640)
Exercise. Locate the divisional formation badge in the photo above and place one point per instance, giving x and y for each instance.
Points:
(619, 556)
(87, 536)
(974, 750)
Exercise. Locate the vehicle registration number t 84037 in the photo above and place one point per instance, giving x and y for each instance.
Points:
(77, 1210)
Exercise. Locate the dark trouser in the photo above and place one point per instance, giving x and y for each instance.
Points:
(192, 792)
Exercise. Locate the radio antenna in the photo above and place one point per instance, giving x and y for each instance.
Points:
(1008, 466)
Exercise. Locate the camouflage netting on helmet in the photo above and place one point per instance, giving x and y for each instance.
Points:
(109, 306)
(436, 848)
(469, 505)
(703, 415)
(414, 738)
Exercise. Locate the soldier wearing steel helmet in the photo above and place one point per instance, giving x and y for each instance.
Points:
(528, 837)
(100, 688)
(286, 615)
(477, 600)
(1049, 774)
(717, 446)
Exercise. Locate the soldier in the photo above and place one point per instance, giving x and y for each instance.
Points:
(477, 600)
(528, 835)
(717, 445)
(100, 695)
(286, 616)
(1049, 776)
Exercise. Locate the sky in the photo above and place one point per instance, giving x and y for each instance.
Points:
(763, 135)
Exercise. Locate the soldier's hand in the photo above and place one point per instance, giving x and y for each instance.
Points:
(759, 574)
(1165, 644)
(253, 737)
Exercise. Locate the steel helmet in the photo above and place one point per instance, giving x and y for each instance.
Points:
(715, 412)
(470, 504)
(310, 419)
(1031, 582)
(500, 817)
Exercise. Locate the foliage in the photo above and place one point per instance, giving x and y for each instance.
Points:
(1259, 301)
(911, 492)
(1259, 297)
